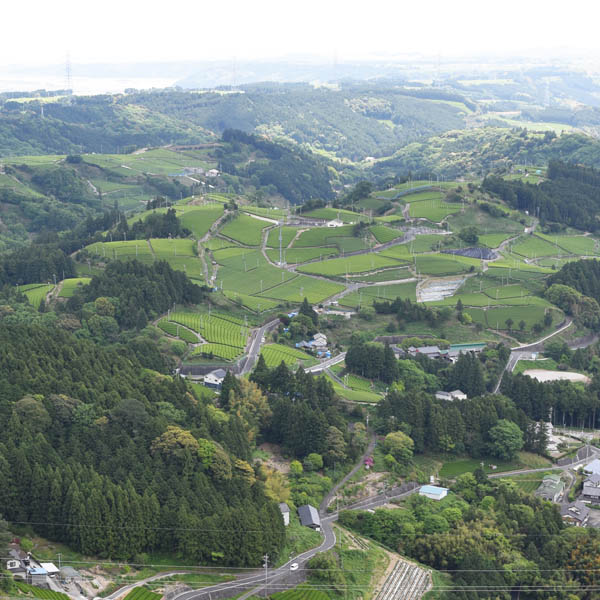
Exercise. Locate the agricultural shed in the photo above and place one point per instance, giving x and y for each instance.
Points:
(37, 576)
(51, 568)
(433, 491)
(309, 516)
(69, 574)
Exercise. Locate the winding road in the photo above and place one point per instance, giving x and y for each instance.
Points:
(281, 577)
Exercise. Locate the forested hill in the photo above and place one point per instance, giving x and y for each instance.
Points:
(570, 196)
(89, 124)
(280, 168)
(128, 458)
(483, 150)
(353, 122)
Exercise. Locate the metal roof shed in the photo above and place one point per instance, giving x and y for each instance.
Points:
(309, 516)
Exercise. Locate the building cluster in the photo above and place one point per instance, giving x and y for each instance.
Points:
(318, 344)
(22, 565)
(450, 354)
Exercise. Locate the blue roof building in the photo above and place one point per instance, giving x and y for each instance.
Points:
(433, 491)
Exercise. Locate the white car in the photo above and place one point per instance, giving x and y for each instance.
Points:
(294, 567)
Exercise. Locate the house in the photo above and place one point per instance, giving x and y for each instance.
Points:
(212, 173)
(69, 574)
(335, 223)
(309, 517)
(576, 513)
(551, 488)
(319, 341)
(591, 489)
(450, 396)
(592, 467)
(433, 491)
(285, 513)
(16, 568)
(429, 351)
(51, 568)
(214, 379)
(37, 576)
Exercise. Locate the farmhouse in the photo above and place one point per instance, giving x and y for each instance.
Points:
(591, 488)
(576, 513)
(309, 516)
(214, 379)
(212, 173)
(285, 513)
(429, 351)
(433, 491)
(551, 488)
(16, 568)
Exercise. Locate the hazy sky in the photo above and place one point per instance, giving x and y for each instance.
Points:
(37, 32)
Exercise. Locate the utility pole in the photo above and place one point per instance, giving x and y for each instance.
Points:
(266, 566)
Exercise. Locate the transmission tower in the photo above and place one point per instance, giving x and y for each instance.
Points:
(69, 82)
(280, 244)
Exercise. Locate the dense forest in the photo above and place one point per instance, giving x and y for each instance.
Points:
(492, 539)
(138, 463)
(570, 196)
(282, 168)
(128, 293)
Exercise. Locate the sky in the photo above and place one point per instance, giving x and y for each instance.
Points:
(126, 31)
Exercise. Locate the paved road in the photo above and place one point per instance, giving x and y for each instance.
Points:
(327, 363)
(519, 352)
(256, 344)
(282, 577)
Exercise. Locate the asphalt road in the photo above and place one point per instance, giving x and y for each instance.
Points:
(256, 344)
(282, 578)
(327, 363)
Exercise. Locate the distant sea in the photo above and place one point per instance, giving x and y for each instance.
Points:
(83, 86)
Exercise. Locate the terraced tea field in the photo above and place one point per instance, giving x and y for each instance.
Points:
(245, 230)
(200, 219)
(275, 353)
(295, 290)
(70, 285)
(219, 329)
(353, 264)
(37, 293)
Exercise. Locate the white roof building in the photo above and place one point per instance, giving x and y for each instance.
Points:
(51, 568)
(433, 491)
(592, 467)
(335, 223)
(214, 379)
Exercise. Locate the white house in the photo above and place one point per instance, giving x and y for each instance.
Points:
(285, 513)
(214, 379)
(212, 173)
(433, 491)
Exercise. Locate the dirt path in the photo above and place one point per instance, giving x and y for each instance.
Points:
(151, 249)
